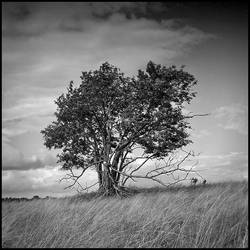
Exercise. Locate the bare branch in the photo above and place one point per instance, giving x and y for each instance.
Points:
(74, 177)
(135, 159)
(87, 187)
(136, 169)
(163, 170)
(191, 116)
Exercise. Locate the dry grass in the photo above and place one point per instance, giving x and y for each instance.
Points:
(215, 215)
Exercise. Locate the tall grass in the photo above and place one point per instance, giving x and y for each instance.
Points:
(214, 215)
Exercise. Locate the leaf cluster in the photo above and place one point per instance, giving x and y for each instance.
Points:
(109, 108)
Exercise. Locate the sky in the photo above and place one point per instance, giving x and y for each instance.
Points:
(46, 45)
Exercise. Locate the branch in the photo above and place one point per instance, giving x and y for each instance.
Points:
(153, 177)
(147, 158)
(87, 187)
(191, 116)
(134, 159)
(164, 170)
(74, 177)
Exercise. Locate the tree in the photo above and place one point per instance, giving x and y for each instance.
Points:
(103, 121)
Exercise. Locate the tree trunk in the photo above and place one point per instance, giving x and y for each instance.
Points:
(115, 163)
(99, 173)
(108, 186)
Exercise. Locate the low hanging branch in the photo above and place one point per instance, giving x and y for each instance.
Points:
(164, 170)
(110, 121)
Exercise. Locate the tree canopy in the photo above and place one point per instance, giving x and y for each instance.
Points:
(99, 123)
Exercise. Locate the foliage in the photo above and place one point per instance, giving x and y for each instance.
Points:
(101, 122)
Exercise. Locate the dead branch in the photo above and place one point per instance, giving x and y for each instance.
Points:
(73, 177)
(88, 187)
(136, 169)
(168, 169)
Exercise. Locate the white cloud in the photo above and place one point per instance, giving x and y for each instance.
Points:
(231, 155)
(31, 106)
(30, 114)
(40, 182)
(222, 167)
(233, 117)
(31, 181)
(200, 133)
(10, 154)
(13, 159)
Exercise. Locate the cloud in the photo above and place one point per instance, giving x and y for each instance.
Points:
(222, 167)
(24, 164)
(30, 114)
(9, 153)
(17, 15)
(200, 133)
(87, 37)
(233, 117)
(32, 106)
(31, 182)
(13, 159)
(42, 66)
(28, 19)
(224, 157)
(44, 181)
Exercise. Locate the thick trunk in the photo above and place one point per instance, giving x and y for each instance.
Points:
(108, 187)
(115, 163)
(109, 174)
(99, 173)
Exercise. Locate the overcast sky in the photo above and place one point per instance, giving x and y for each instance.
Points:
(46, 45)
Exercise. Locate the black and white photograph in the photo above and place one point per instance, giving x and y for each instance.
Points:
(125, 124)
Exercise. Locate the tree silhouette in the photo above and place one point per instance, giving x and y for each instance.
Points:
(102, 122)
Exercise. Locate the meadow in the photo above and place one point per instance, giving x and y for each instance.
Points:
(213, 215)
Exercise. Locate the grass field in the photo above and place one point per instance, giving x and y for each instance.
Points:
(215, 215)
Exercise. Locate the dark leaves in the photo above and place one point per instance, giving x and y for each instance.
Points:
(110, 108)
